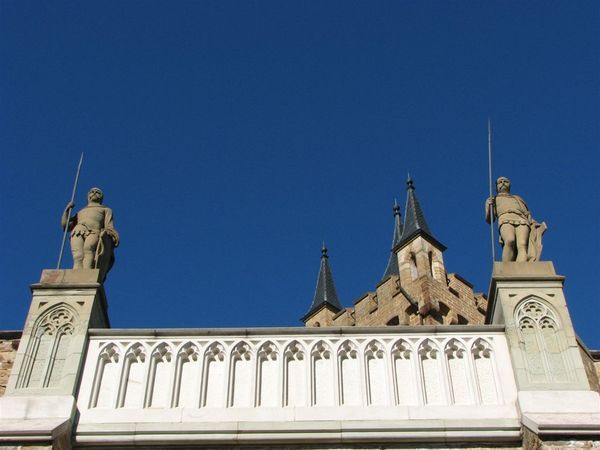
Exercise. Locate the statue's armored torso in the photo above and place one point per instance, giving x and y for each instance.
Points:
(92, 219)
(511, 209)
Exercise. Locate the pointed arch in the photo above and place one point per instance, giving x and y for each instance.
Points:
(429, 359)
(295, 376)
(405, 373)
(132, 379)
(485, 372)
(376, 380)
(268, 375)
(187, 376)
(322, 374)
(214, 376)
(48, 347)
(543, 341)
(106, 382)
(458, 370)
(241, 392)
(349, 374)
(159, 376)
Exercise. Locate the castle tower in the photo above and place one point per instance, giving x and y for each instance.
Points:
(392, 265)
(419, 253)
(415, 288)
(325, 304)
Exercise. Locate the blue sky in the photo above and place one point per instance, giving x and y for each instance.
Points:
(231, 138)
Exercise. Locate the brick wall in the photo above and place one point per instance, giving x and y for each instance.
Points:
(9, 342)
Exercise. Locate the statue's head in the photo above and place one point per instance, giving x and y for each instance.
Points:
(95, 195)
(502, 185)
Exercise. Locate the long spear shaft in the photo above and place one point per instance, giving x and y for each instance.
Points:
(64, 239)
(490, 179)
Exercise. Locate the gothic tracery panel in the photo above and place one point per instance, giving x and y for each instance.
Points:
(107, 382)
(242, 382)
(404, 374)
(187, 376)
(458, 370)
(542, 342)
(484, 371)
(295, 375)
(48, 348)
(268, 375)
(133, 377)
(214, 377)
(323, 379)
(432, 377)
(160, 377)
(350, 392)
(376, 380)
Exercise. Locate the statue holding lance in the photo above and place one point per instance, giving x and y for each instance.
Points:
(520, 235)
(93, 235)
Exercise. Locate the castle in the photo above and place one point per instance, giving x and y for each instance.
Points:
(422, 361)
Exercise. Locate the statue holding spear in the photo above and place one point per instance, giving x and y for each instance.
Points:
(520, 234)
(92, 231)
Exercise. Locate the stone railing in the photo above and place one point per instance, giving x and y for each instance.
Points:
(265, 384)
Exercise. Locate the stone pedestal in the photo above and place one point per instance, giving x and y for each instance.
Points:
(39, 405)
(554, 393)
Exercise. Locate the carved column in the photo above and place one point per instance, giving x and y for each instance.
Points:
(40, 398)
(554, 393)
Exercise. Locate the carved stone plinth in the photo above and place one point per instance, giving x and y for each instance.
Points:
(554, 393)
(39, 405)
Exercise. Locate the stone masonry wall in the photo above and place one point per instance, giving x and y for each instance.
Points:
(591, 367)
(9, 342)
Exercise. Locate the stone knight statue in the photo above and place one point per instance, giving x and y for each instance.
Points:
(93, 235)
(520, 235)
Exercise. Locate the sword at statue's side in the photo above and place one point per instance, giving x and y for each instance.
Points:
(491, 198)
(68, 212)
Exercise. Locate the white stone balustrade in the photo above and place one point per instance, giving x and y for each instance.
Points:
(189, 381)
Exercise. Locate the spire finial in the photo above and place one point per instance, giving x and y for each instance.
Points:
(409, 183)
(324, 251)
(396, 208)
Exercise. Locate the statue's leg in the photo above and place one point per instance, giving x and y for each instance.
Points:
(89, 250)
(77, 251)
(507, 231)
(522, 235)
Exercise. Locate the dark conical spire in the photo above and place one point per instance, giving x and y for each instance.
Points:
(392, 265)
(414, 219)
(325, 293)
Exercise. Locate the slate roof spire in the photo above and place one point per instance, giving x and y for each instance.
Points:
(392, 265)
(414, 219)
(325, 293)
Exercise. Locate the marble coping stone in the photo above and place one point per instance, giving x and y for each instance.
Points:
(27, 418)
(348, 431)
(330, 331)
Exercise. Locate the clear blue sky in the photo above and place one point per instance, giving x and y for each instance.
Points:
(231, 138)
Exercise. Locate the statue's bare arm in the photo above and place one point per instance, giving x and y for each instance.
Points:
(72, 221)
(488, 209)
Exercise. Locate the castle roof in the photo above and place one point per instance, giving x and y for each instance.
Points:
(392, 265)
(325, 293)
(414, 219)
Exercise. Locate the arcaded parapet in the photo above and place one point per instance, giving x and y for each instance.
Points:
(9, 343)
(340, 386)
